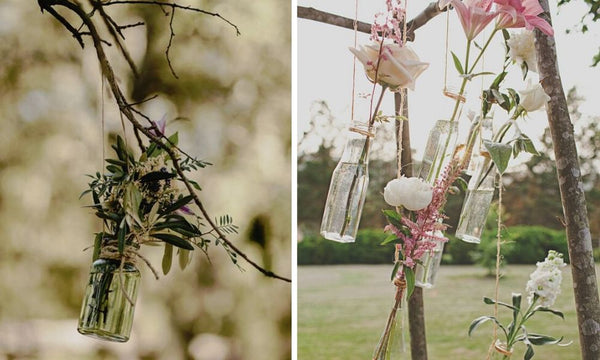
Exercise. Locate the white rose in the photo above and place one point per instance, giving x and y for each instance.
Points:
(412, 193)
(399, 67)
(522, 49)
(533, 97)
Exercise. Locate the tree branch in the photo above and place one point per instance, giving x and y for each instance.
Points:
(127, 110)
(173, 6)
(432, 10)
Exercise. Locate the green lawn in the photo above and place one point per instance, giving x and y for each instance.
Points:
(342, 311)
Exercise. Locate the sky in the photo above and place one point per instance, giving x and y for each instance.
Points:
(325, 67)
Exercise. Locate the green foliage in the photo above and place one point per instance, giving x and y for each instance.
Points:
(315, 250)
(522, 245)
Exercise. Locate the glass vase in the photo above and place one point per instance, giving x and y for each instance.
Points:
(426, 272)
(348, 187)
(439, 149)
(106, 312)
(478, 199)
(394, 343)
(500, 351)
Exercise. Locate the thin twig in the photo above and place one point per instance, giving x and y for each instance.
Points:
(167, 51)
(174, 6)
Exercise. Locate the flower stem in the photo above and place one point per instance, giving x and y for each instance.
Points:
(485, 46)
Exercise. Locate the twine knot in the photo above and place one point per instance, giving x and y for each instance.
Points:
(401, 283)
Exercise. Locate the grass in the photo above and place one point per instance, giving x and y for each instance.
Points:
(342, 311)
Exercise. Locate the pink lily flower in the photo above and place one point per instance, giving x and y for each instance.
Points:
(521, 13)
(474, 15)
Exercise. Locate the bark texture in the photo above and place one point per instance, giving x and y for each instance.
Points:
(573, 200)
(416, 307)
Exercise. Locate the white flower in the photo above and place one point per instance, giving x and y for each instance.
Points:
(546, 279)
(412, 193)
(400, 66)
(533, 97)
(522, 49)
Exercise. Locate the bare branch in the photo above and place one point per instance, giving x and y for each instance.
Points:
(47, 5)
(167, 52)
(431, 11)
(114, 30)
(173, 6)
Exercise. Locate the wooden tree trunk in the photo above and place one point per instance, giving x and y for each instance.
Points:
(416, 309)
(572, 196)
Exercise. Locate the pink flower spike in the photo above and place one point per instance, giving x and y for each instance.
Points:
(522, 13)
(474, 15)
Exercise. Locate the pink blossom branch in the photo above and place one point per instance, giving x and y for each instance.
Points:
(432, 10)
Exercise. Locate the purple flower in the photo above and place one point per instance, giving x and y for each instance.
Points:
(160, 125)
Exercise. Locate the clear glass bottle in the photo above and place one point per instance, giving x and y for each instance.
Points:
(106, 312)
(394, 343)
(348, 187)
(478, 199)
(439, 149)
(426, 273)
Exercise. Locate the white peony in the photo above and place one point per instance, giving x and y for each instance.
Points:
(412, 193)
(400, 66)
(546, 279)
(522, 49)
(533, 97)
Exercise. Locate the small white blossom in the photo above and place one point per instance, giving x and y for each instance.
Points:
(522, 49)
(546, 279)
(412, 193)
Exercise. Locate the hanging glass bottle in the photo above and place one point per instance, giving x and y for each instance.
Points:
(481, 130)
(439, 149)
(426, 271)
(109, 300)
(348, 187)
(478, 199)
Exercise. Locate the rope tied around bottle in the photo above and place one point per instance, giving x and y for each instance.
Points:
(362, 132)
(109, 250)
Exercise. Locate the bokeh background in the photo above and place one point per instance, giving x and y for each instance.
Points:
(233, 94)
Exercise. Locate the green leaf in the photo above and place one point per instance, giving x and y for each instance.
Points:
(174, 240)
(480, 74)
(500, 154)
(178, 204)
(489, 301)
(389, 239)
(409, 275)
(505, 34)
(498, 80)
(539, 339)
(529, 353)
(116, 162)
(97, 245)
(457, 64)
(545, 309)
(524, 143)
(395, 270)
(121, 236)
(516, 301)
(393, 218)
(482, 319)
(167, 259)
(174, 139)
(184, 258)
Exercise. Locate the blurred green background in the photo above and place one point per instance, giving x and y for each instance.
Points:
(234, 93)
